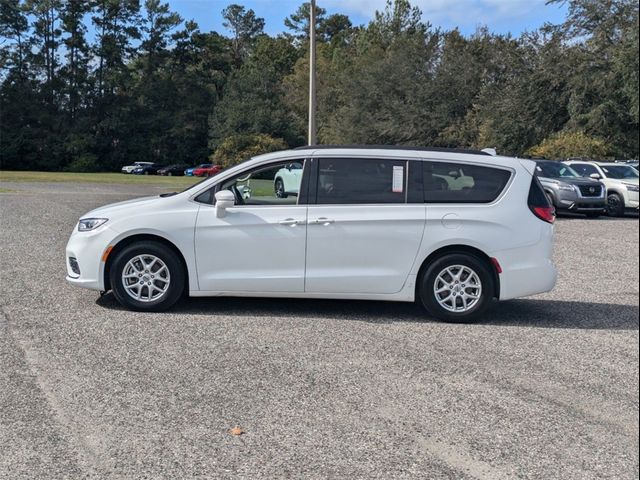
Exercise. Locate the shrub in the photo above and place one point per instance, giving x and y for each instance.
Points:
(564, 145)
(238, 148)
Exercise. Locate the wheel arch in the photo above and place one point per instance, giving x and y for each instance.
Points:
(140, 237)
(616, 191)
(464, 249)
(552, 194)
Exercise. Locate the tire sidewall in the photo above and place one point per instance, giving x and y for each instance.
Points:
(170, 259)
(620, 210)
(427, 296)
(280, 193)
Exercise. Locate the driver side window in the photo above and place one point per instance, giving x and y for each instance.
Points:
(275, 184)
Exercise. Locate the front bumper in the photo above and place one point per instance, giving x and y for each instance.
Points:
(576, 202)
(87, 249)
(590, 204)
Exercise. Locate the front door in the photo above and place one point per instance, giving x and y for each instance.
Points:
(259, 246)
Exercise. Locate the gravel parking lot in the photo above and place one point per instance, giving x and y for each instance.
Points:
(545, 387)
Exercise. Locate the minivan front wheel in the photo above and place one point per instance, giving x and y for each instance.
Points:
(147, 276)
(457, 287)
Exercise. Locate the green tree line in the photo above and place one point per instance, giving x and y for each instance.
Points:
(93, 85)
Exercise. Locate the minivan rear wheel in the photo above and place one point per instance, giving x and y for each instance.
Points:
(457, 287)
(147, 276)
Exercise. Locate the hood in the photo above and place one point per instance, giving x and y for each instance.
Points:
(581, 181)
(633, 181)
(108, 210)
(570, 181)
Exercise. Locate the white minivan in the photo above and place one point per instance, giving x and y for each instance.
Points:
(452, 229)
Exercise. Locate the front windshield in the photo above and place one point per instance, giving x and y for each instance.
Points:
(620, 172)
(556, 170)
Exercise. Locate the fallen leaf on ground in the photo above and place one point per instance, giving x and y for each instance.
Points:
(236, 431)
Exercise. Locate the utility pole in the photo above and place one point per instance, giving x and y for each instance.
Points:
(312, 73)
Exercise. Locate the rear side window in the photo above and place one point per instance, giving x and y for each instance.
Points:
(461, 183)
(537, 197)
(361, 180)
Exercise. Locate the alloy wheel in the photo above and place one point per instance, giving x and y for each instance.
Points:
(146, 278)
(457, 288)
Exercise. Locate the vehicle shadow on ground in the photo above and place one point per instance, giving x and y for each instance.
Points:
(524, 313)
(604, 218)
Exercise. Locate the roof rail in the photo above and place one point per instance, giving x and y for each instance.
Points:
(395, 147)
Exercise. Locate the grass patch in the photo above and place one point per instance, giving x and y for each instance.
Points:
(6, 190)
(113, 178)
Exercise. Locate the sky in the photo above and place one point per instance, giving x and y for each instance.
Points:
(501, 16)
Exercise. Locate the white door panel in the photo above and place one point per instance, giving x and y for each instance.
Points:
(259, 249)
(362, 248)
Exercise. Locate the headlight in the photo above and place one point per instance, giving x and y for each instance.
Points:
(631, 187)
(566, 187)
(87, 224)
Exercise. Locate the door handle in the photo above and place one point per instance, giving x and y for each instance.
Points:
(323, 221)
(292, 222)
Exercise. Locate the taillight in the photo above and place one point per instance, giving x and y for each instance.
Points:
(539, 203)
(496, 265)
(548, 214)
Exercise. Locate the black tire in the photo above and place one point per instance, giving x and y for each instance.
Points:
(176, 269)
(615, 205)
(279, 188)
(427, 282)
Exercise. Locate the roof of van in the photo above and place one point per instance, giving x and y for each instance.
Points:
(392, 147)
(441, 154)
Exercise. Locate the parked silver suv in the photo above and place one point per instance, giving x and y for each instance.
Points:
(570, 192)
(620, 180)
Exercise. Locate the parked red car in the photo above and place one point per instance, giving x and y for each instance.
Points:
(207, 171)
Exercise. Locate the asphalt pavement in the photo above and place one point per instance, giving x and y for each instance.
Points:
(542, 388)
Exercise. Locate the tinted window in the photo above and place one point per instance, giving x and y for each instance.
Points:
(584, 169)
(461, 183)
(620, 172)
(359, 180)
(555, 170)
(537, 197)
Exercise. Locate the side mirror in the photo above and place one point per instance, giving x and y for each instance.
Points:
(595, 176)
(224, 199)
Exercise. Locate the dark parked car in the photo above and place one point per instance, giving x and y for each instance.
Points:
(570, 192)
(173, 170)
(151, 169)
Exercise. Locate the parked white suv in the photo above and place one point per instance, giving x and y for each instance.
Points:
(620, 180)
(287, 181)
(131, 168)
(452, 229)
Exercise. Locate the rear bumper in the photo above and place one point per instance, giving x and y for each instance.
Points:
(528, 270)
(527, 279)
